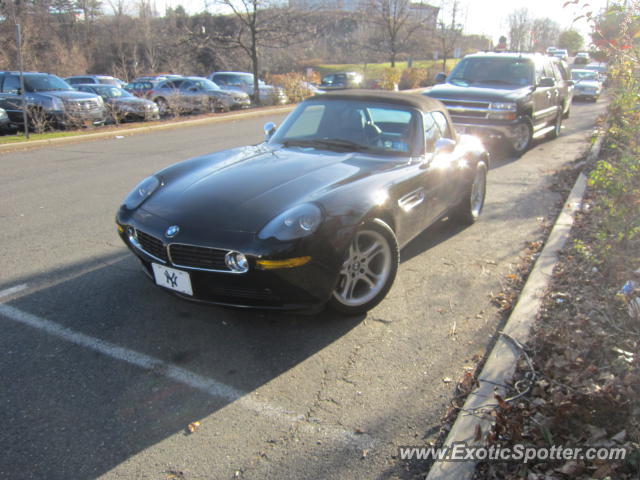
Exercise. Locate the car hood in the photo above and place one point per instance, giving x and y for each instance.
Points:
(588, 84)
(70, 95)
(448, 91)
(242, 189)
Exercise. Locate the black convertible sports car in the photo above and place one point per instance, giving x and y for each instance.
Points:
(316, 214)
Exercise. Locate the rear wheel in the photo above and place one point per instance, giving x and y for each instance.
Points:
(470, 207)
(368, 270)
(557, 128)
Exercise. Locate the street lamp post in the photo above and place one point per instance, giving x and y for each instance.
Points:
(22, 92)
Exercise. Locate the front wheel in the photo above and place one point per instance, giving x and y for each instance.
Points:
(468, 210)
(368, 271)
(522, 135)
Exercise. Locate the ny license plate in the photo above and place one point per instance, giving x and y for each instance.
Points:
(172, 279)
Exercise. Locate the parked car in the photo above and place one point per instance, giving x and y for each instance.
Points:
(602, 69)
(121, 105)
(551, 50)
(341, 80)
(99, 79)
(581, 58)
(243, 82)
(588, 85)
(562, 54)
(316, 214)
(505, 96)
(51, 101)
(190, 94)
(139, 88)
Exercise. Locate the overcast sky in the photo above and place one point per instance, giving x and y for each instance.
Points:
(488, 17)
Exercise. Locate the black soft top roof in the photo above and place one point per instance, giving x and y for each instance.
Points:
(414, 100)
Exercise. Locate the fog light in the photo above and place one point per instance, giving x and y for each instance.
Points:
(236, 262)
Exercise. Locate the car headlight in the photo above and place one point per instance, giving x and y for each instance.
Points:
(297, 222)
(503, 111)
(504, 106)
(99, 101)
(3, 114)
(139, 194)
(57, 103)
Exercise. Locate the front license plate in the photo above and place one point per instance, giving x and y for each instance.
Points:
(172, 279)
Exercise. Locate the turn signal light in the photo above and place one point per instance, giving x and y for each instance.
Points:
(288, 263)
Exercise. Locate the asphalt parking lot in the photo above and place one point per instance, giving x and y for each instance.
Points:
(102, 372)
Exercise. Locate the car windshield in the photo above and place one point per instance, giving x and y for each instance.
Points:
(349, 125)
(510, 72)
(205, 84)
(582, 75)
(113, 92)
(45, 83)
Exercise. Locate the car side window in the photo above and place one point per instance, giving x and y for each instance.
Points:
(11, 84)
(432, 132)
(186, 85)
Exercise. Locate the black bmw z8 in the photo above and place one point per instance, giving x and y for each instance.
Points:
(316, 214)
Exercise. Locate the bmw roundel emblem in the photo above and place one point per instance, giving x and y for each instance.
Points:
(172, 231)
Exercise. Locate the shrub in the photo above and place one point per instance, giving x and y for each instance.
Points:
(294, 85)
(413, 78)
(390, 78)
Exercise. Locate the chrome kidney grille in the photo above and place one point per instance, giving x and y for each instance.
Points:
(183, 256)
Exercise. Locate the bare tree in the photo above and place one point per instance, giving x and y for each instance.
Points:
(544, 33)
(260, 24)
(519, 29)
(396, 25)
(449, 31)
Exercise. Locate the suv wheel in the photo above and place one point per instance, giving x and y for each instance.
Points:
(522, 135)
(555, 133)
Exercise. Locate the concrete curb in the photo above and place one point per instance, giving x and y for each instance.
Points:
(501, 364)
(12, 147)
(256, 113)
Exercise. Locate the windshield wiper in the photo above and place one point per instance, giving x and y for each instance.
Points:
(327, 143)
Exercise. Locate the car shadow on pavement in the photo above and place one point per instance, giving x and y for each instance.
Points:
(69, 411)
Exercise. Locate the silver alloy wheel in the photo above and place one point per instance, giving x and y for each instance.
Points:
(521, 137)
(366, 269)
(478, 191)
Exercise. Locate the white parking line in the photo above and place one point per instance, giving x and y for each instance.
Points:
(198, 382)
(10, 291)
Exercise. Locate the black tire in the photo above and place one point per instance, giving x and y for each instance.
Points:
(521, 143)
(468, 210)
(555, 133)
(381, 262)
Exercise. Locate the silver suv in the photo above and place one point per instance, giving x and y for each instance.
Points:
(242, 81)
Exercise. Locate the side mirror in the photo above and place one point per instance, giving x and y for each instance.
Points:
(269, 130)
(571, 83)
(440, 78)
(445, 145)
(547, 82)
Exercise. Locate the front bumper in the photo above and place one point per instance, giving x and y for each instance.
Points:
(486, 129)
(306, 287)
